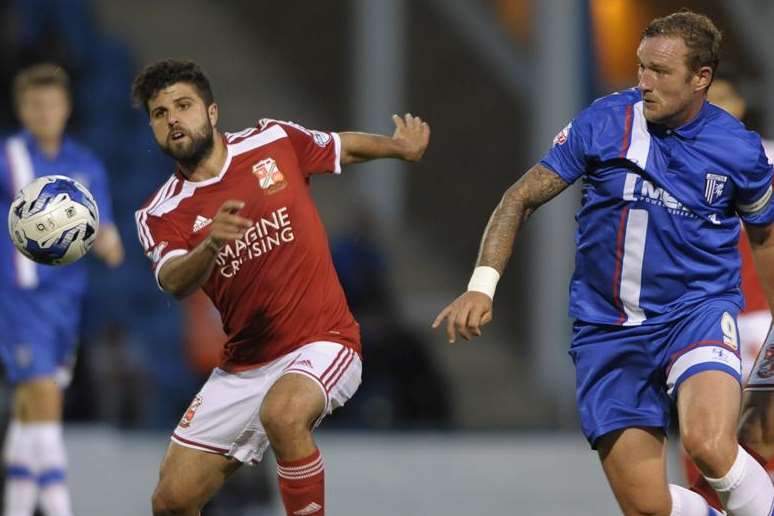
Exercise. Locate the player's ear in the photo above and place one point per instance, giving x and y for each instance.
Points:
(212, 113)
(703, 78)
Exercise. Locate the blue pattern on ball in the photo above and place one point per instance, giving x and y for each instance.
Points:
(49, 255)
(61, 186)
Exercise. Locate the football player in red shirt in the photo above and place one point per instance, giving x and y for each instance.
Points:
(237, 220)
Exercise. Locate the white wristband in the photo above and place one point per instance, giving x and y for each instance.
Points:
(484, 280)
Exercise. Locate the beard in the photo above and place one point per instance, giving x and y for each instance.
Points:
(190, 154)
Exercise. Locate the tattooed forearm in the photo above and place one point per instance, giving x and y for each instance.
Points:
(533, 189)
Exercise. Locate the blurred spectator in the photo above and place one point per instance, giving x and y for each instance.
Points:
(401, 384)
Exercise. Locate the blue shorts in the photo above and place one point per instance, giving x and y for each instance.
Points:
(629, 376)
(39, 334)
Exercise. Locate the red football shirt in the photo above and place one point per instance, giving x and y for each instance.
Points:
(276, 288)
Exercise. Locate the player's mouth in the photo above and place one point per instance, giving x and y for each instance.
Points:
(177, 134)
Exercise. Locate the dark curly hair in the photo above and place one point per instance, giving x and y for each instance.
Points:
(161, 74)
(700, 35)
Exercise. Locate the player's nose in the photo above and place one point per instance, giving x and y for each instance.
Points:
(645, 83)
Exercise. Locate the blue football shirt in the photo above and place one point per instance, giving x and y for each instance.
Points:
(21, 161)
(659, 221)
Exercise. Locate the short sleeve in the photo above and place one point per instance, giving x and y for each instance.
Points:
(568, 156)
(100, 189)
(318, 152)
(159, 239)
(753, 195)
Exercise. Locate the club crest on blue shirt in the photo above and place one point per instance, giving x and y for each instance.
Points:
(713, 186)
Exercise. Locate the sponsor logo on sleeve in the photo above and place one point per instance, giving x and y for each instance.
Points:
(320, 138)
(562, 135)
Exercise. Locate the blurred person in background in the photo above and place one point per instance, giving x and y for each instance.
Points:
(40, 306)
(666, 178)
(237, 220)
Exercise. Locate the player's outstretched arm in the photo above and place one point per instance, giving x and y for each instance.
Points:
(408, 142)
(473, 309)
(183, 275)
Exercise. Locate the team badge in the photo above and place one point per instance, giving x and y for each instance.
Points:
(185, 422)
(713, 187)
(270, 178)
(561, 137)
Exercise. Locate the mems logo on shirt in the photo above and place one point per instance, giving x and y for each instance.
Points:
(267, 234)
(637, 188)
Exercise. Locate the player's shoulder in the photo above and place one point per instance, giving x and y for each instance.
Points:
(295, 130)
(747, 145)
(80, 152)
(721, 122)
(266, 131)
(614, 107)
(608, 116)
(616, 100)
(163, 193)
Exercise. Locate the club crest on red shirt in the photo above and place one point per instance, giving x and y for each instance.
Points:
(185, 422)
(270, 178)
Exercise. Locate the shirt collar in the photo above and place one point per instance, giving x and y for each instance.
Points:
(689, 129)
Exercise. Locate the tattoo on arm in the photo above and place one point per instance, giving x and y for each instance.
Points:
(536, 187)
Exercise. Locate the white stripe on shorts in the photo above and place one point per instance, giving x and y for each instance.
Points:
(701, 355)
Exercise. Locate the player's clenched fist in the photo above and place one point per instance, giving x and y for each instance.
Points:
(413, 134)
(227, 225)
(466, 315)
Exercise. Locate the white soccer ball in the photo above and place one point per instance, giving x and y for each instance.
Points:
(53, 220)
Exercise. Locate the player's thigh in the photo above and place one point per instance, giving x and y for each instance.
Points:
(634, 461)
(190, 477)
(295, 400)
(321, 377)
(617, 379)
(708, 403)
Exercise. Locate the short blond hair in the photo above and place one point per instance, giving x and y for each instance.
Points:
(43, 74)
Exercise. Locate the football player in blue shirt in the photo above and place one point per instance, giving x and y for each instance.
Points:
(666, 178)
(40, 306)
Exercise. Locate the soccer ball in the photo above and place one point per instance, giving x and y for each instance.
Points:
(53, 220)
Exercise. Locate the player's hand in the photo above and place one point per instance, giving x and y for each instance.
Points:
(466, 315)
(412, 134)
(108, 245)
(227, 225)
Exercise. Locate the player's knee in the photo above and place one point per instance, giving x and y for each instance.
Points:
(284, 418)
(166, 502)
(708, 447)
(636, 501)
